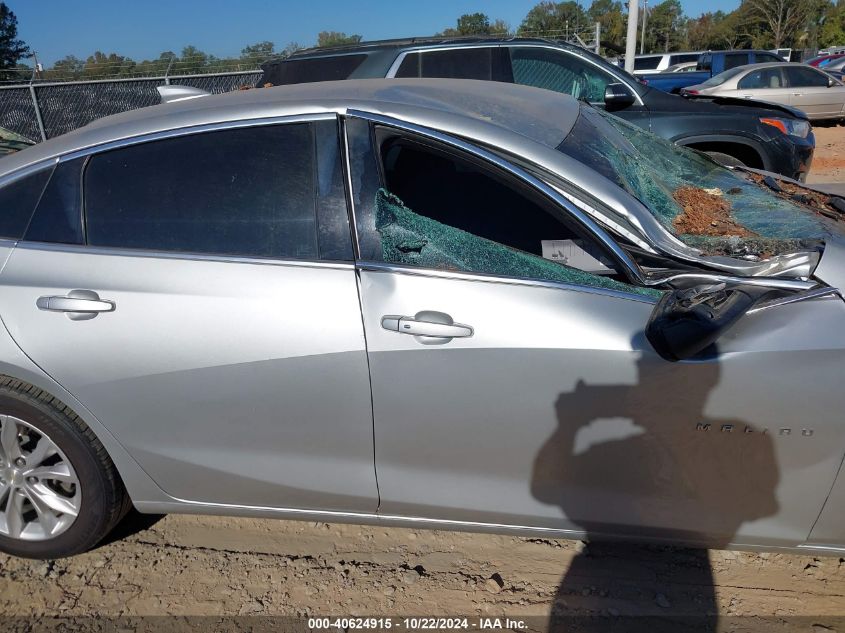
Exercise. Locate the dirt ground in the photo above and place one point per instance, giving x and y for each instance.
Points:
(185, 565)
(829, 158)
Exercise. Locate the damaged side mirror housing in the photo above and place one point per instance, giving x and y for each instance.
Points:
(617, 96)
(686, 322)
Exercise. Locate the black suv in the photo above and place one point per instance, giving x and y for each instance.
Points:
(734, 131)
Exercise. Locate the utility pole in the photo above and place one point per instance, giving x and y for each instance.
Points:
(631, 39)
(669, 31)
(37, 67)
(645, 17)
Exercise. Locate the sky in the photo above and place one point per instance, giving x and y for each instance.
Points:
(142, 29)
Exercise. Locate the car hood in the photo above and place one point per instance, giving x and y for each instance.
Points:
(743, 104)
(831, 268)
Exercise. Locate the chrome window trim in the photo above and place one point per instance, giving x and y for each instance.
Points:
(710, 278)
(28, 170)
(631, 269)
(635, 239)
(489, 278)
(232, 124)
(83, 249)
(347, 183)
(394, 68)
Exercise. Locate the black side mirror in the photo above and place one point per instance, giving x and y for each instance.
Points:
(617, 96)
(686, 322)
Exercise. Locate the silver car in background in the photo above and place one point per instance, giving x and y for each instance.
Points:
(817, 93)
(837, 65)
(431, 303)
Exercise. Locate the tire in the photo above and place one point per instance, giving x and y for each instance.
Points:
(725, 159)
(93, 488)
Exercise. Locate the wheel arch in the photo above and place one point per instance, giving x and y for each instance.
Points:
(747, 150)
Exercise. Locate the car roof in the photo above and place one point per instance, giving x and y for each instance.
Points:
(520, 121)
(669, 54)
(744, 67)
(420, 42)
(739, 50)
(475, 109)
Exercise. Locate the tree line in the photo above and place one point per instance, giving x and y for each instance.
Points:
(753, 24)
(766, 24)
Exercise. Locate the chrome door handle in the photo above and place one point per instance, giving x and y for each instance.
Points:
(80, 304)
(427, 323)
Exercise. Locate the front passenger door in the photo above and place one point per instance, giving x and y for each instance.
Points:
(810, 91)
(513, 384)
(764, 84)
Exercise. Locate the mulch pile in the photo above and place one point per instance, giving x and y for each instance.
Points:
(706, 214)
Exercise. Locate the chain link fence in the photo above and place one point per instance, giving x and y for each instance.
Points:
(40, 111)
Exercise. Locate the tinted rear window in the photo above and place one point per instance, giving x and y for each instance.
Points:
(768, 57)
(59, 214)
(466, 63)
(239, 192)
(685, 57)
(300, 71)
(718, 80)
(732, 60)
(647, 63)
(17, 202)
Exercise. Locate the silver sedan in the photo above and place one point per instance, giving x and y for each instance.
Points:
(815, 92)
(431, 303)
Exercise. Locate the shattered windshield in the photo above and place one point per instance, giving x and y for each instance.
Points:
(705, 205)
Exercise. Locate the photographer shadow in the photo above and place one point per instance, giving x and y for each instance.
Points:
(643, 462)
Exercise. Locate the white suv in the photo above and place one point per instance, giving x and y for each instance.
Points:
(661, 62)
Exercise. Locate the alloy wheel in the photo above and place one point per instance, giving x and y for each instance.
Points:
(40, 494)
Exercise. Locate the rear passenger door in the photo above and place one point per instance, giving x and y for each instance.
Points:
(764, 84)
(203, 305)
